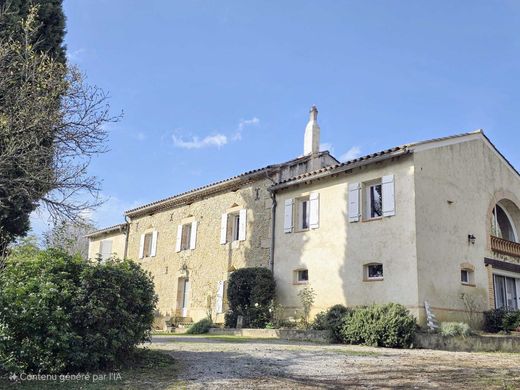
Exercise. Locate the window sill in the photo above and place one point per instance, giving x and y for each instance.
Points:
(372, 219)
(301, 230)
(373, 279)
(299, 283)
(468, 284)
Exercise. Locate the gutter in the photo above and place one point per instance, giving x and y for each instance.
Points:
(125, 252)
(273, 224)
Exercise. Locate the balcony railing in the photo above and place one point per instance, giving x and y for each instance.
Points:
(505, 247)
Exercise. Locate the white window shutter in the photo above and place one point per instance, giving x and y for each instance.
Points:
(388, 183)
(219, 304)
(141, 247)
(193, 237)
(242, 225)
(353, 202)
(179, 239)
(288, 219)
(314, 213)
(153, 252)
(223, 229)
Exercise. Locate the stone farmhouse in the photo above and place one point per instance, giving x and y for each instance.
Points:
(434, 221)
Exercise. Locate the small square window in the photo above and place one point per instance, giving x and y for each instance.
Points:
(302, 276)
(374, 271)
(466, 276)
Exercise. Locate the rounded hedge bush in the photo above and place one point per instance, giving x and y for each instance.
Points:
(200, 327)
(332, 320)
(61, 314)
(250, 293)
(388, 325)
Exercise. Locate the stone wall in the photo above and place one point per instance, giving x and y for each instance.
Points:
(210, 261)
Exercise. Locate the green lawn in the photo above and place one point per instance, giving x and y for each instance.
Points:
(148, 369)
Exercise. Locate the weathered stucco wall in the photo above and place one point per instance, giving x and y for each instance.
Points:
(336, 252)
(210, 261)
(456, 187)
(118, 244)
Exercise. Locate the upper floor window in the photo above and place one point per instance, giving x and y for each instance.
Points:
(302, 213)
(186, 236)
(502, 225)
(377, 198)
(148, 245)
(373, 200)
(233, 226)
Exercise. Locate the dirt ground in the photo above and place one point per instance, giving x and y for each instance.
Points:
(227, 362)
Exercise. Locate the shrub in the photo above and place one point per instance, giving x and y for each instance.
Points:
(493, 320)
(389, 325)
(306, 296)
(250, 294)
(455, 329)
(200, 327)
(332, 320)
(511, 320)
(61, 314)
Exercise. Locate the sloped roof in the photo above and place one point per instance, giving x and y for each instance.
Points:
(120, 227)
(216, 186)
(364, 160)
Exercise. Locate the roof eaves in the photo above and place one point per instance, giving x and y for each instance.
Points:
(119, 227)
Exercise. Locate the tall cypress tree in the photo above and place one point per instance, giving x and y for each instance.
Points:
(52, 24)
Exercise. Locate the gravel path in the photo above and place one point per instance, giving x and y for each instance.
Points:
(221, 363)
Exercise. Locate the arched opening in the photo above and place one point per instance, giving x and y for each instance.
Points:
(502, 224)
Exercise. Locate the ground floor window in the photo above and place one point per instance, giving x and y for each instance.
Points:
(507, 292)
(301, 276)
(373, 271)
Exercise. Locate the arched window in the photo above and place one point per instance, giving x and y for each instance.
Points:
(502, 224)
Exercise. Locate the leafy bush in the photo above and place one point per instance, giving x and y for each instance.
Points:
(200, 327)
(389, 325)
(60, 314)
(332, 320)
(455, 329)
(250, 294)
(511, 320)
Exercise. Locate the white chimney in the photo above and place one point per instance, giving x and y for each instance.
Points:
(311, 144)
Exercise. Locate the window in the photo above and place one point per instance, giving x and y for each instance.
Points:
(301, 276)
(233, 226)
(466, 276)
(186, 236)
(506, 292)
(147, 245)
(502, 226)
(374, 271)
(105, 249)
(374, 200)
(303, 213)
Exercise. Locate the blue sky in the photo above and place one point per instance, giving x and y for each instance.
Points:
(211, 89)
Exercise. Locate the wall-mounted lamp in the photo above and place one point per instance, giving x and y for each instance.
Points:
(471, 239)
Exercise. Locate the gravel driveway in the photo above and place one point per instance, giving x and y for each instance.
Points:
(220, 363)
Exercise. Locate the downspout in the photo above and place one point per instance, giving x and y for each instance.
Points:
(126, 238)
(273, 224)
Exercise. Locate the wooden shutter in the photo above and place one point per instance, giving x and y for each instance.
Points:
(223, 229)
(179, 239)
(388, 186)
(141, 247)
(153, 250)
(242, 224)
(314, 210)
(288, 219)
(353, 202)
(193, 237)
(219, 302)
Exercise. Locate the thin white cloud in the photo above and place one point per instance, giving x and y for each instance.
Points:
(327, 146)
(217, 140)
(242, 126)
(351, 154)
(76, 55)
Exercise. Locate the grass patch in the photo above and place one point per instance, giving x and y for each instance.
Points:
(146, 369)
